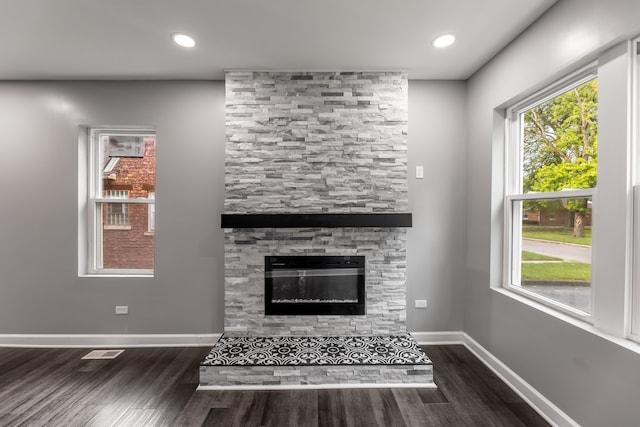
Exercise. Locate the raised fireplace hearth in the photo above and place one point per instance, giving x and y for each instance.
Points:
(275, 362)
(315, 225)
(311, 285)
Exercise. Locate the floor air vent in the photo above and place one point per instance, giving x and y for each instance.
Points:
(103, 354)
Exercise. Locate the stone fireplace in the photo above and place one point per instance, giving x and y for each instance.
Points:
(316, 167)
(316, 143)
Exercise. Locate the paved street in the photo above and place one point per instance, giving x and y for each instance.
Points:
(574, 296)
(560, 250)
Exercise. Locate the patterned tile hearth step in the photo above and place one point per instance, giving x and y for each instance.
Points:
(295, 350)
(316, 362)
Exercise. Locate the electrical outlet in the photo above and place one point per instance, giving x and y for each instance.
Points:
(419, 172)
(421, 303)
(122, 309)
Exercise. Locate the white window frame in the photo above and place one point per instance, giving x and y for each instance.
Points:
(634, 332)
(123, 222)
(90, 262)
(514, 195)
(151, 213)
(634, 327)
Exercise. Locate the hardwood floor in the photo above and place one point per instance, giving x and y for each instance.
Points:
(156, 387)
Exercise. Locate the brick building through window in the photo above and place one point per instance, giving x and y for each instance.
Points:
(128, 228)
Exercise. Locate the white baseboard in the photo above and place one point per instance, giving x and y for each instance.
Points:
(550, 412)
(108, 340)
(166, 340)
(438, 338)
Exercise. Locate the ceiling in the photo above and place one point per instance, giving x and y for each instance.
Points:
(130, 39)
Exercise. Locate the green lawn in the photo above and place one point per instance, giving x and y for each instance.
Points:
(564, 235)
(532, 256)
(566, 271)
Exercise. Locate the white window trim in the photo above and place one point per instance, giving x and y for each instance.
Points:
(513, 190)
(634, 332)
(611, 313)
(578, 77)
(151, 213)
(634, 309)
(90, 253)
(512, 252)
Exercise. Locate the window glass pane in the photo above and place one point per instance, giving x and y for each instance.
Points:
(117, 213)
(126, 245)
(128, 171)
(555, 250)
(560, 141)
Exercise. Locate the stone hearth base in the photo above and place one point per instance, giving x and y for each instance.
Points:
(316, 362)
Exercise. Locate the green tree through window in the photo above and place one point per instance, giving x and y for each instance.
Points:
(560, 148)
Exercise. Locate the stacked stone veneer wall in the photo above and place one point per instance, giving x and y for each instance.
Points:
(288, 376)
(316, 142)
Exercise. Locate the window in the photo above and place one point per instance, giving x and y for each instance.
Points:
(551, 178)
(122, 165)
(117, 213)
(635, 310)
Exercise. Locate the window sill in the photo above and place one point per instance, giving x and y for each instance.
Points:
(149, 233)
(111, 275)
(120, 273)
(117, 227)
(549, 303)
(628, 344)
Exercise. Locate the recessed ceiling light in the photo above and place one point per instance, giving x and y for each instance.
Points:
(444, 41)
(183, 40)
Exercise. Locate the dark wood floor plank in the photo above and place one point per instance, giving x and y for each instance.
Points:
(41, 369)
(465, 387)
(48, 394)
(172, 405)
(157, 387)
(291, 408)
(331, 410)
(411, 406)
(119, 392)
(197, 409)
(161, 387)
(136, 417)
(250, 410)
(218, 417)
(384, 407)
(355, 401)
(428, 395)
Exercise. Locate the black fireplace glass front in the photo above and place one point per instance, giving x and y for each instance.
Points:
(301, 285)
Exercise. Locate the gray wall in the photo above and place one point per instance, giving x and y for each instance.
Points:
(591, 378)
(40, 291)
(436, 242)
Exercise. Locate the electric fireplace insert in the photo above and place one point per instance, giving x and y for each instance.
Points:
(312, 285)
